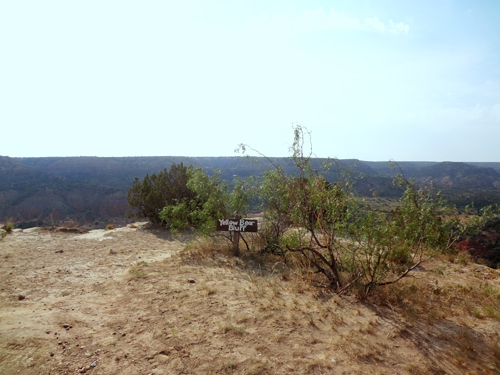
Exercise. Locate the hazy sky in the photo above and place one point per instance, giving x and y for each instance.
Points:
(373, 80)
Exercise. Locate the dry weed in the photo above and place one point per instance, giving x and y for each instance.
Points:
(230, 327)
(69, 224)
(208, 290)
(136, 273)
(257, 369)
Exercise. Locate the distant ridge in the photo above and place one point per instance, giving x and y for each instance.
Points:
(93, 189)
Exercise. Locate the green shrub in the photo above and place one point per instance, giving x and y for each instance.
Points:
(149, 197)
(349, 245)
(212, 200)
(9, 227)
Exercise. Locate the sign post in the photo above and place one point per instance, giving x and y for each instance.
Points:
(235, 227)
(236, 240)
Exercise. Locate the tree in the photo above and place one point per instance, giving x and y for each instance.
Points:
(332, 235)
(149, 197)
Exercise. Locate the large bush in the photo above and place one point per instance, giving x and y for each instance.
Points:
(322, 225)
(149, 197)
(212, 200)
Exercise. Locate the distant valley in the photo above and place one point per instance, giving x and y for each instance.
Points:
(92, 190)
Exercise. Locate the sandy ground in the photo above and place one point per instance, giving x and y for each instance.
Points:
(121, 302)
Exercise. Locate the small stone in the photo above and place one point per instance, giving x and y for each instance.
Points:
(192, 281)
(112, 251)
(51, 354)
(59, 251)
(93, 364)
(47, 332)
(21, 296)
(66, 326)
(117, 359)
(59, 343)
(87, 354)
(124, 334)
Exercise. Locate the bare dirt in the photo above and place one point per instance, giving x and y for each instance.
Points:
(122, 302)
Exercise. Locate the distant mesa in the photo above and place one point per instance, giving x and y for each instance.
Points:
(37, 191)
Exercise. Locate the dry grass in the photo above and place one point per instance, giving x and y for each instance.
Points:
(256, 315)
(229, 327)
(9, 227)
(435, 296)
(136, 273)
(69, 224)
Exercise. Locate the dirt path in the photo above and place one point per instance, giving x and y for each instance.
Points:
(120, 302)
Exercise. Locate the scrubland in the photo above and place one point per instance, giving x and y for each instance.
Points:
(138, 301)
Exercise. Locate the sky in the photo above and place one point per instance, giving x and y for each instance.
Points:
(371, 80)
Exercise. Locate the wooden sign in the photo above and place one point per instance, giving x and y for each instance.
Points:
(236, 225)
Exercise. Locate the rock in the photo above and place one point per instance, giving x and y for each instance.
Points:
(21, 296)
(112, 251)
(474, 248)
(59, 251)
(51, 354)
(93, 364)
(192, 281)
(66, 326)
(47, 332)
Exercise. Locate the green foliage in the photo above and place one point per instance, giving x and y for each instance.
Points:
(149, 197)
(212, 200)
(324, 224)
(9, 227)
(477, 219)
(388, 247)
(275, 207)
